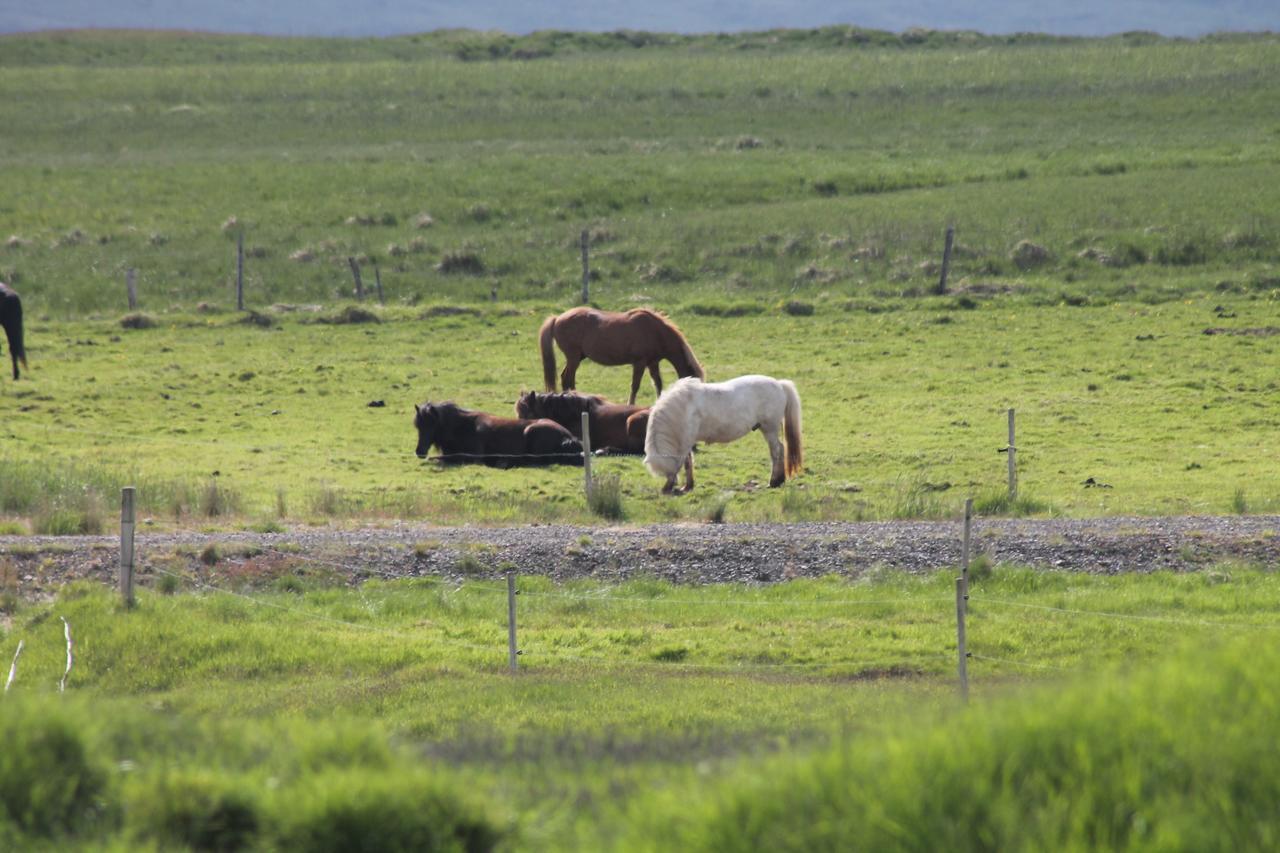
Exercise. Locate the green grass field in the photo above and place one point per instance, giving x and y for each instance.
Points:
(784, 197)
(276, 693)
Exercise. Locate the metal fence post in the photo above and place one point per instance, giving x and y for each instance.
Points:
(512, 651)
(962, 596)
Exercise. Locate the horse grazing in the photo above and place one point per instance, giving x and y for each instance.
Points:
(639, 337)
(466, 436)
(11, 320)
(693, 411)
(615, 427)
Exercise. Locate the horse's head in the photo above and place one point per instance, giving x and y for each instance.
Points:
(527, 405)
(426, 418)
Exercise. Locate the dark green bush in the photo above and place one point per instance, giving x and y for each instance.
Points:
(353, 812)
(198, 811)
(49, 784)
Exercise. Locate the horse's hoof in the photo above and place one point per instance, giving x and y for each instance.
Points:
(773, 484)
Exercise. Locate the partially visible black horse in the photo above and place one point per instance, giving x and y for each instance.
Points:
(615, 427)
(466, 436)
(11, 320)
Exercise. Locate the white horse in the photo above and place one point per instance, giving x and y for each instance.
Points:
(692, 410)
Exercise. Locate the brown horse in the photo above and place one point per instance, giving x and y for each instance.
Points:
(11, 320)
(615, 427)
(639, 337)
(466, 436)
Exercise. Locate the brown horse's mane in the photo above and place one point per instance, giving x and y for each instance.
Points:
(694, 364)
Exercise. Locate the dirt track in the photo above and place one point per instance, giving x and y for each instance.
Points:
(703, 553)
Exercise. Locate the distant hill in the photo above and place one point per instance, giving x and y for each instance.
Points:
(1188, 18)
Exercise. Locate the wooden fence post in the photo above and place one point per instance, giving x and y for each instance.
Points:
(127, 522)
(377, 282)
(512, 651)
(131, 285)
(240, 270)
(962, 598)
(946, 259)
(586, 270)
(968, 527)
(355, 273)
(586, 456)
(1013, 465)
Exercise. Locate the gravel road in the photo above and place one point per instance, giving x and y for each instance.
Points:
(684, 553)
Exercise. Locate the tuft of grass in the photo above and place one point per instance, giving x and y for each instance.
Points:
(350, 315)
(998, 502)
(717, 507)
(1239, 502)
(217, 500)
(605, 497)
(138, 321)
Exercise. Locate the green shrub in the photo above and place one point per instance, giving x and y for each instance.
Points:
(196, 810)
(49, 785)
(356, 811)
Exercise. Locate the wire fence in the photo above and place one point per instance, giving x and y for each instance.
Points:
(539, 651)
(598, 456)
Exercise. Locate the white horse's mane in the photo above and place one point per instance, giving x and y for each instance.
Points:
(670, 423)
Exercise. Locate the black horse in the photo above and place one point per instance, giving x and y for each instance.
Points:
(11, 319)
(466, 436)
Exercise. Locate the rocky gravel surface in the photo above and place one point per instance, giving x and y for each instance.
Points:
(685, 553)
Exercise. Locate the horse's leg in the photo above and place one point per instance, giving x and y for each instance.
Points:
(669, 487)
(779, 473)
(637, 373)
(657, 380)
(568, 376)
(688, 474)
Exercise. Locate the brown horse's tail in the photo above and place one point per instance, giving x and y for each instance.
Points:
(791, 427)
(546, 341)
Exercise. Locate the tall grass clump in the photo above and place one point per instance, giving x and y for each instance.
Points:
(921, 499)
(1114, 762)
(605, 497)
(1001, 503)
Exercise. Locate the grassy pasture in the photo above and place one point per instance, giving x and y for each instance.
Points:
(785, 203)
(216, 420)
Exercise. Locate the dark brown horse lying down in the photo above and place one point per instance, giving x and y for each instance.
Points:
(11, 321)
(464, 436)
(615, 427)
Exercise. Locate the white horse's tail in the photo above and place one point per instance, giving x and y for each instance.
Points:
(791, 427)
